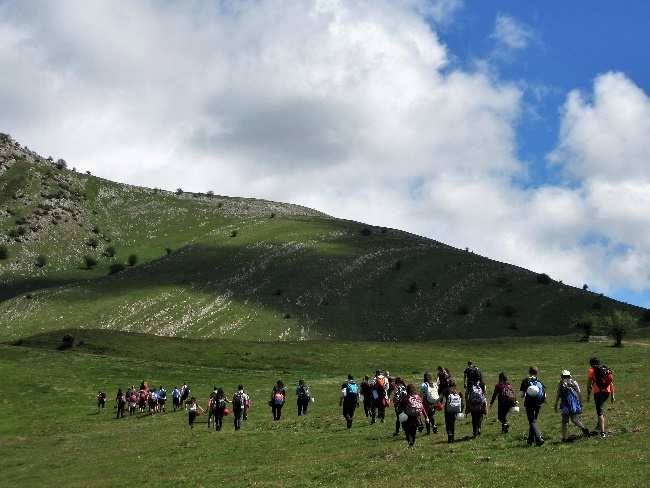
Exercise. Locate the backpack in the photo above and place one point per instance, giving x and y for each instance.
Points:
(476, 398)
(219, 403)
(413, 406)
(604, 376)
(473, 375)
(351, 390)
(570, 402)
(238, 400)
(430, 393)
(278, 398)
(508, 395)
(379, 388)
(454, 403)
(162, 394)
(304, 392)
(541, 396)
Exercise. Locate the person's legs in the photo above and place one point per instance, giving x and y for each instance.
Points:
(534, 434)
(305, 406)
(476, 423)
(450, 426)
(299, 403)
(565, 426)
(397, 423)
(600, 399)
(502, 414)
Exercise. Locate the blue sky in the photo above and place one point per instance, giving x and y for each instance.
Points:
(517, 129)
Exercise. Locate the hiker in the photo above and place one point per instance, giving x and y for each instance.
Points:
(472, 376)
(303, 396)
(477, 406)
(570, 400)
(453, 407)
(120, 403)
(431, 397)
(219, 402)
(366, 392)
(176, 398)
(153, 402)
(193, 411)
(101, 399)
(143, 397)
(278, 396)
(413, 413)
(600, 382)
(162, 398)
(534, 394)
(444, 381)
(240, 400)
(379, 397)
(349, 400)
(133, 402)
(185, 394)
(391, 384)
(505, 393)
(399, 392)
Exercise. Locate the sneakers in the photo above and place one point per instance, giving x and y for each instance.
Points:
(540, 442)
(603, 435)
(435, 429)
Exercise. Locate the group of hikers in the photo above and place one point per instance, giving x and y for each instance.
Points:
(415, 406)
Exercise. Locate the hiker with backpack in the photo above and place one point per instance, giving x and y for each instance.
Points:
(133, 402)
(101, 399)
(303, 395)
(379, 397)
(507, 398)
(278, 396)
(176, 398)
(534, 394)
(412, 413)
(399, 392)
(570, 401)
(349, 399)
(471, 377)
(193, 410)
(219, 403)
(120, 403)
(600, 382)
(240, 402)
(162, 398)
(444, 381)
(431, 397)
(453, 408)
(477, 406)
(366, 392)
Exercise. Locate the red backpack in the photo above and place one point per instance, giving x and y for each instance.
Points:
(603, 376)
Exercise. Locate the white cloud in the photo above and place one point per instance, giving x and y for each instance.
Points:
(512, 34)
(349, 107)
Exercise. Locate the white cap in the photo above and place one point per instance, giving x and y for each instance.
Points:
(566, 372)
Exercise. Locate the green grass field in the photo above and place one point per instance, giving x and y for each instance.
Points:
(52, 434)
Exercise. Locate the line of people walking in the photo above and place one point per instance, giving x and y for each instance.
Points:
(416, 407)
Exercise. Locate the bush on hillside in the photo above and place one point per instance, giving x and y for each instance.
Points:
(543, 279)
(179, 191)
(412, 288)
(41, 261)
(618, 324)
(109, 251)
(95, 229)
(132, 259)
(645, 317)
(462, 309)
(233, 233)
(398, 265)
(67, 341)
(93, 242)
(61, 164)
(366, 231)
(90, 262)
(585, 325)
(169, 250)
(4, 252)
(116, 268)
(509, 311)
(585, 287)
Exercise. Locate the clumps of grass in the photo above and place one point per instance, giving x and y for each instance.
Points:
(4, 252)
(116, 268)
(41, 261)
(90, 262)
(132, 259)
(233, 233)
(543, 279)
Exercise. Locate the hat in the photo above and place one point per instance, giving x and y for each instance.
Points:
(566, 372)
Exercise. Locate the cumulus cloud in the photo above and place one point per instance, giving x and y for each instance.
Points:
(511, 34)
(348, 107)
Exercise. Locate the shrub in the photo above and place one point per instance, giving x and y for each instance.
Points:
(412, 288)
(543, 279)
(488, 303)
(132, 259)
(116, 268)
(13, 233)
(95, 229)
(210, 194)
(585, 325)
(618, 325)
(109, 251)
(645, 317)
(21, 231)
(90, 262)
(93, 242)
(278, 292)
(20, 220)
(272, 215)
(585, 287)
(67, 341)
(4, 252)
(169, 250)
(502, 280)
(61, 164)
(597, 306)
(366, 231)
(509, 311)
(287, 315)
(233, 233)
(462, 309)
(41, 261)
(398, 265)
(179, 191)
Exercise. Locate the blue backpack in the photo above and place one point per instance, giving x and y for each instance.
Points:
(570, 403)
(541, 396)
(351, 389)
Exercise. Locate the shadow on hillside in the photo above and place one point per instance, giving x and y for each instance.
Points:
(27, 285)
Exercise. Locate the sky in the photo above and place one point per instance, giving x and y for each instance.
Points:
(519, 130)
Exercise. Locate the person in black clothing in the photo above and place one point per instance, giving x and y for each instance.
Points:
(504, 393)
(219, 402)
(453, 406)
(101, 399)
(366, 391)
(471, 376)
(278, 396)
(534, 394)
(120, 403)
(349, 399)
(302, 397)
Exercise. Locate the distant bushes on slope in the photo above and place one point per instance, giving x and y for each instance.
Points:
(41, 261)
(132, 259)
(4, 252)
(116, 268)
(89, 262)
(543, 279)
(109, 252)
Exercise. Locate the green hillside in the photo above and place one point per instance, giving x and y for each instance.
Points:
(214, 266)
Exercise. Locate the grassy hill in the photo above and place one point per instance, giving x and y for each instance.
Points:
(51, 431)
(212, 266)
